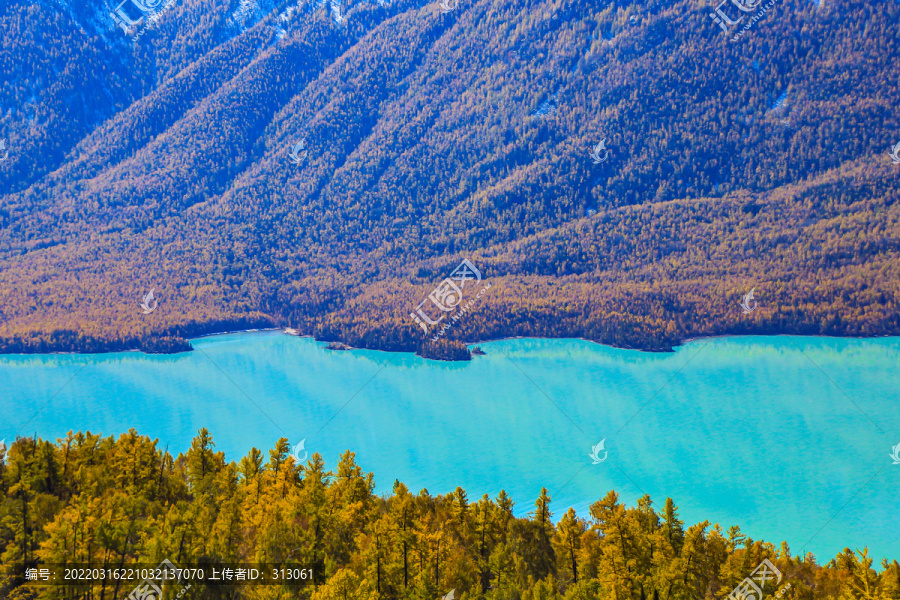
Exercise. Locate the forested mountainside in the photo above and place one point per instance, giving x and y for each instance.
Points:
(624, 172)
(111, 503)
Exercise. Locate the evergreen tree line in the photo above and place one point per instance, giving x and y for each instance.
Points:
(120, 502)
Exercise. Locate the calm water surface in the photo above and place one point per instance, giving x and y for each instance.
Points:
(789, 438)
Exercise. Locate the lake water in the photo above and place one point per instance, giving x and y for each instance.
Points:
(789, 438)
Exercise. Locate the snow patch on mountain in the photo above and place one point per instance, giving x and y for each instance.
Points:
(250, 12)
(336, 12)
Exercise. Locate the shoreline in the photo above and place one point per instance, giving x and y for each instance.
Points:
(257, 330)
(468, 344)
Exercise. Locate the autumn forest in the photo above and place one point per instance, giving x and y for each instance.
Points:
(88, 499)
(429, 135)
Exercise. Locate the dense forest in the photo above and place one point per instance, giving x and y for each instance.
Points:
(431, 135)
(104, 501)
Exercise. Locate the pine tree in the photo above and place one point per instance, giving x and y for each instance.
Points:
(674, 527)
(569, 533)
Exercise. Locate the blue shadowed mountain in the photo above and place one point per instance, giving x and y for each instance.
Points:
(327, 165)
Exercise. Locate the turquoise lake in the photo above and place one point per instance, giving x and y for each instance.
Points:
(787, 437)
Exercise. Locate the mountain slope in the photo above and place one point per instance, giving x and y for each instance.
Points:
(422, 136)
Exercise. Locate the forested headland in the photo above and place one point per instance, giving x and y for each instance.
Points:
(108, 501)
